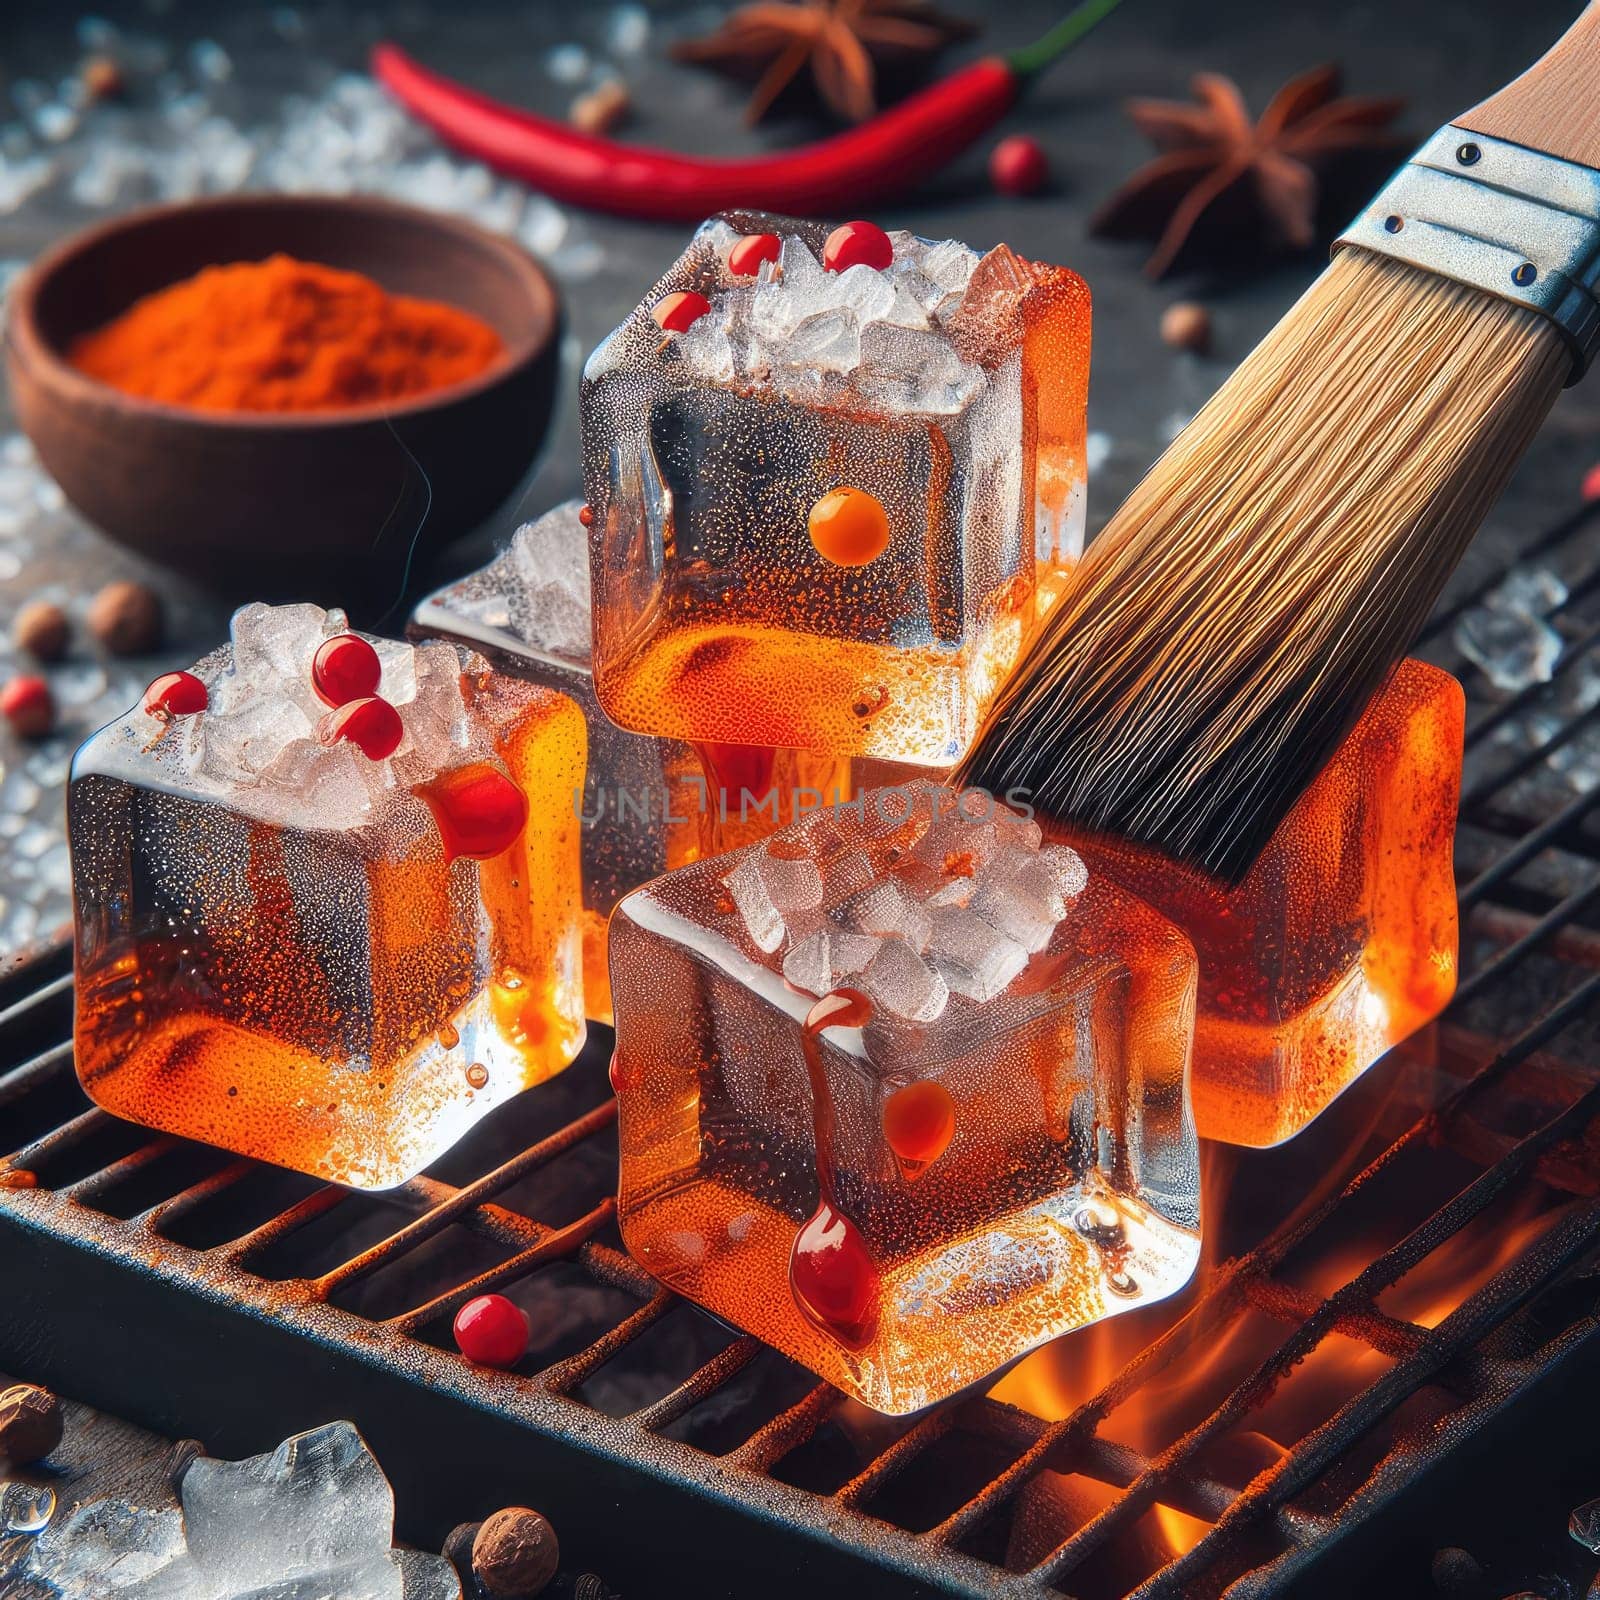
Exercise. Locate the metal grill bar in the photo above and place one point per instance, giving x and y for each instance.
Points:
(561, 1243)
(443, 1212)
(740, 1488)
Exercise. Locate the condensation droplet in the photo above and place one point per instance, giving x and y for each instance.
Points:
(1098, 1222)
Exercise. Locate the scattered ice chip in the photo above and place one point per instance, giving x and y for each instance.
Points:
(312, 1520)
(628, 29)
(567, 63)
(318, 1502)
(1530, 591)
(108, 1547)
(1512, 649)
(26, 1507)
(1584, 1525)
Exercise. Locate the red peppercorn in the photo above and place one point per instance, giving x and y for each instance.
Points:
(586, 516)
(175, 694)
(27, 704)
(744, 260)
(676, 312)
(372, 725)
(1018, 165)
(492, 1331)
(477, 809)
(345, 668)
(857, 244)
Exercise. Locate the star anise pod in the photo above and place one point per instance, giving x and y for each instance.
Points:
(1268, 171)
(842, 40)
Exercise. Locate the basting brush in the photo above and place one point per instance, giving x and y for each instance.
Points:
(1230, 623)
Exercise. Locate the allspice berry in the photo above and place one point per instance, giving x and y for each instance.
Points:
(126, 618)
(515, 1554)
(30, 1425)
(101, 78)
(602, 108)
(1187, 326)
(41, 628)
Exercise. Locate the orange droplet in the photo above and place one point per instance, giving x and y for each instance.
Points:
(849, 527)
(448, 1036)
(919, 1121)
(477, 1075)
(478, 810)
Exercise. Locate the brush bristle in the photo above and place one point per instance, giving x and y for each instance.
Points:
(1228, 626)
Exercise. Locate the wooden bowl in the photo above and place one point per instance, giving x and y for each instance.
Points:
(324, 505)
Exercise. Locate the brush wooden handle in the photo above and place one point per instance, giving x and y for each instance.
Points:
(1555, 105)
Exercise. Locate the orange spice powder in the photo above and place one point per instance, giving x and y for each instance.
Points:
(284, 335)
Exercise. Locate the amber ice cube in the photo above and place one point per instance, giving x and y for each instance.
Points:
(978, 1141)
(648, 804)
(1341, 940)
(949, 388)
(318, 959)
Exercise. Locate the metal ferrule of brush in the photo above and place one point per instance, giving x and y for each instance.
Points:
(1503, 218)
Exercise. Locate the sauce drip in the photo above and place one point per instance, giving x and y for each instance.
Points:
(478, 810)
(830, 1271)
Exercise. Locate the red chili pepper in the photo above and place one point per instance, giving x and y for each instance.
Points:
(879, 158)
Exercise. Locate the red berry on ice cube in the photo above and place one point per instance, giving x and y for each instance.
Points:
(175, 694)
(857, 244)
(345, 668)
(373, 726)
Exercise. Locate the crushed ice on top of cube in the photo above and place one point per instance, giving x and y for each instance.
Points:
(262, 742)
(960, 910)
(534, 594)
(813, 334)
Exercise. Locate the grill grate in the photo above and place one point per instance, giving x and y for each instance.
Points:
(246, 1301)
